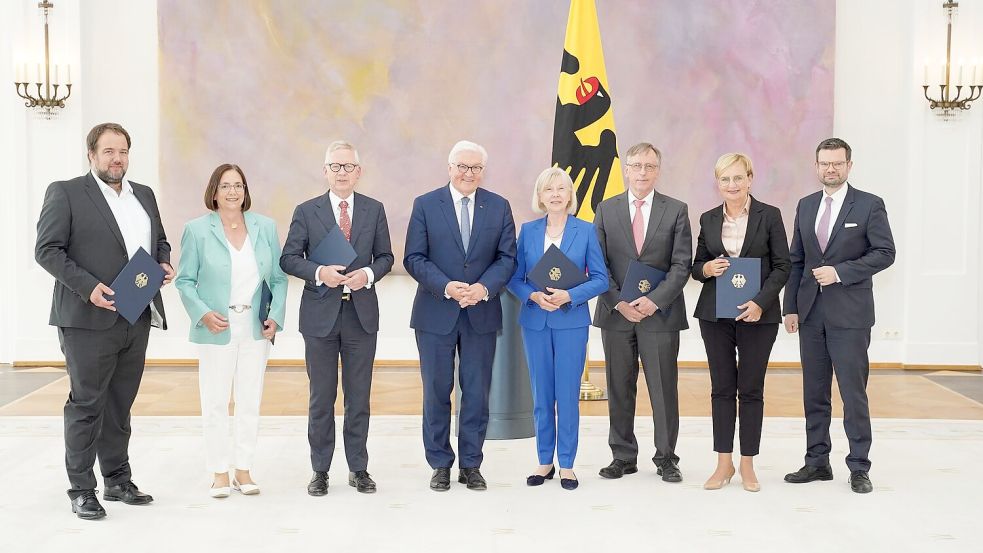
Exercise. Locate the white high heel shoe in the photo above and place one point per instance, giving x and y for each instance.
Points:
(245, 489)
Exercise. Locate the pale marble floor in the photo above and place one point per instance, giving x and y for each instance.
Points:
(926, 476)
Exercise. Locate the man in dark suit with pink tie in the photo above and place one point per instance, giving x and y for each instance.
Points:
(841, 239)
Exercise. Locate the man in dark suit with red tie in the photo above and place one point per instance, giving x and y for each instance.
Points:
(88, 230)
(339, 312)
(841, 239)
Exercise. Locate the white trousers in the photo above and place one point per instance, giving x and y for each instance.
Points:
(239, 365)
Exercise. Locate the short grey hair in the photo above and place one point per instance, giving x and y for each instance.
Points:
(641, 148)
(546, 177)
(467, 146)
(339, 145)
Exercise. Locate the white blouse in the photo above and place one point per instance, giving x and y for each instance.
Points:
(245, 273)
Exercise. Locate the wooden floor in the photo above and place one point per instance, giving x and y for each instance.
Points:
(174, 391)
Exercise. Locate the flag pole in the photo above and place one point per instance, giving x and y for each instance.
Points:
(588, 391)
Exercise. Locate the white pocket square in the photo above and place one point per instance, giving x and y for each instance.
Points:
(849, 225)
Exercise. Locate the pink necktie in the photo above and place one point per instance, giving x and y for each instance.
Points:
(638, 226)
(345, 221)
(823, 233)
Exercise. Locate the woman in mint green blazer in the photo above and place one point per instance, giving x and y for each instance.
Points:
(226, 258)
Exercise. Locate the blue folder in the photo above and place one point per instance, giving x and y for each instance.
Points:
(740, 283)
(265, 302)
(136, 285)
(334, 249)
(640, 280)
(555, 270)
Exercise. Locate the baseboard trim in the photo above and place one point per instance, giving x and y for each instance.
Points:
(415, 363)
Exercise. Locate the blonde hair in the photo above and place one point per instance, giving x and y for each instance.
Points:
(726, 160)
(548, 176)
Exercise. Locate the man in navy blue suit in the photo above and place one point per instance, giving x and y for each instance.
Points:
(460, 248)
(841, 239)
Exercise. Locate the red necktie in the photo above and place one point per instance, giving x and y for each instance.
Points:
(345, 221)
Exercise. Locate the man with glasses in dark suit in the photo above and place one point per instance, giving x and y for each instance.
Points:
(841, 239)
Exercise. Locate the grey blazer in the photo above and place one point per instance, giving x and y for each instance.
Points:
(319, 305)
(668, 247)
(81, 245)
(860, 245)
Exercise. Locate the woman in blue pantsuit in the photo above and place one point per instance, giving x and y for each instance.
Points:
(556, 339)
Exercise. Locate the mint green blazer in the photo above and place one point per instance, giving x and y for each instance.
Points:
(204, 278)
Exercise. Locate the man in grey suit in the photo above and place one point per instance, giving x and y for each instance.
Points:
(652, 228)
(339, 312)
(841, 239)
(88, 230)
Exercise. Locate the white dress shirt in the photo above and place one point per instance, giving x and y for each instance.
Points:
(646, 208)
(834, 212)
(834, 207)
(550, 241)
(131, 218)
(457, 196)
(336, 208)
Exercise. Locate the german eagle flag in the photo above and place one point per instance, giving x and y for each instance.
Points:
(584, 141)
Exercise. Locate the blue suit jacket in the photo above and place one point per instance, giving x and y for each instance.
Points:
(580, 244)
(435, 256)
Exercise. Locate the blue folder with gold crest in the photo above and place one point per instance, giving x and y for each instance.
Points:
(136, 285)
(739, 284)
(334, 249)
(555, 270)
(640, 280)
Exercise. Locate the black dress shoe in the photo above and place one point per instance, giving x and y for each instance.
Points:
(669, 471)
(473, 478)
(618, 468)
(319, 484)
(361, 481)
(538, 479)
(569, 483)
(87, 507)
(860, 482)
(441, 480)
(809, 473)
(128, 493)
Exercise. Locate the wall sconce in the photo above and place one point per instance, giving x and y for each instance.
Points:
(969, 76)
(47, 101)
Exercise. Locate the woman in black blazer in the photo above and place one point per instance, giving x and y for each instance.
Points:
(738, 349)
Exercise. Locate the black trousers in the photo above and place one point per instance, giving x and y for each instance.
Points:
(826, 350)
(357, 349)
(104, 369)
(738, 357)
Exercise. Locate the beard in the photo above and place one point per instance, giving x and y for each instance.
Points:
(111, 175)
(833, 182)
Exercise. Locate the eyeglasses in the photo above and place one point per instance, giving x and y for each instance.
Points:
(349, 167)
(836, 164)
(475, 169)
(637, 167)
(238, 187)
(737, 179)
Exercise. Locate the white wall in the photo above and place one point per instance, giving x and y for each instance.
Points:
(928, 172)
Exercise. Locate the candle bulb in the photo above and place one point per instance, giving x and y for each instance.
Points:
(979, 75)
(39, 73)
(925, 78)
(23, 74)
(69, 74)
(959, 81)
(56, 73)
